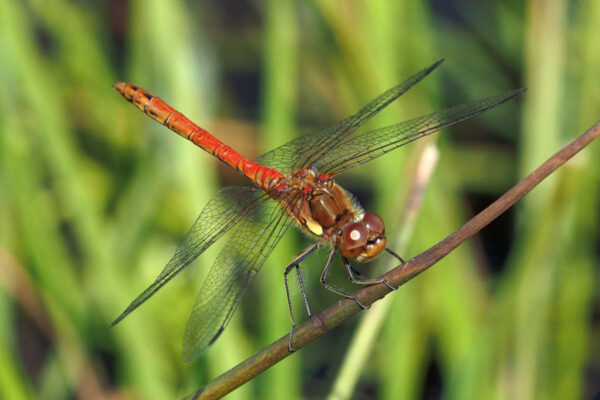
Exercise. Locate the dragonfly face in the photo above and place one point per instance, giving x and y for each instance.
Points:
(363, 240)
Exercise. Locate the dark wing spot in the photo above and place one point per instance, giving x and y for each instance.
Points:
(214, 339)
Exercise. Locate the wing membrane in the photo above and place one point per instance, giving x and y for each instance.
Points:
(246, 250)
(225, 209)
(304, 151)
(359, 149)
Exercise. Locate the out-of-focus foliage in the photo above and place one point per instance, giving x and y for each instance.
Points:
(94, 196)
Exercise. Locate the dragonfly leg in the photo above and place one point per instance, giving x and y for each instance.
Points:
(353, 274)
(303, 290)
(295, 264)
(395, 255)
(334, 289)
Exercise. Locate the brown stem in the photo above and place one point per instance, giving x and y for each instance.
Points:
(333, 316)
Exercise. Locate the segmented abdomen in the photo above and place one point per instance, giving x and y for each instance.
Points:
(157, 109)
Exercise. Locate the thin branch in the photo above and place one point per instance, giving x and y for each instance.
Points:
(333, 316)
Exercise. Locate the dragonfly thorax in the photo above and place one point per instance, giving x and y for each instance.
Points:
(325, 209)
(321, 207)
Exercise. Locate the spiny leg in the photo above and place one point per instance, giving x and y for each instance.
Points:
(301, 282)
(334, 289)
(352, 274)
(295, 264)
(395, 255)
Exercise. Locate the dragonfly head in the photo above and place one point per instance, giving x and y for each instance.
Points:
(363, 240)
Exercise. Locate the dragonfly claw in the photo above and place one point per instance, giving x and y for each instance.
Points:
(389, 285)
(361, 305)
(291, 348)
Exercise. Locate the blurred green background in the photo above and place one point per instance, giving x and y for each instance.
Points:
(94, 196)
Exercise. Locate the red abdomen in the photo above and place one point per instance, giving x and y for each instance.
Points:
(157, 109)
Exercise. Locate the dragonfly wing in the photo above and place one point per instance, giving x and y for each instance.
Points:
(305, 150)
(224, 210)
(359, 149)
(246, 250)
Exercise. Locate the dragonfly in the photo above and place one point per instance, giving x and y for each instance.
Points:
(291, 185)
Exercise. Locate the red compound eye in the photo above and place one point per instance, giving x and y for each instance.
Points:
(374, 223)
(353, 239)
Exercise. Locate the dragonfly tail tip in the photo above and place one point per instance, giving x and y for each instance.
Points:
(119, 86)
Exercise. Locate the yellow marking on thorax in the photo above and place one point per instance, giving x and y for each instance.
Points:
(314, 227)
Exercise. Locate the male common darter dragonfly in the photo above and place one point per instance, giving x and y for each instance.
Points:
(293, 185)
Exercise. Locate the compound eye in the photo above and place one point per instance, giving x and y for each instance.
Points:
(373, 223)
(353, 239)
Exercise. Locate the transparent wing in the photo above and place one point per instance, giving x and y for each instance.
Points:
(359, 149)
(224, 210)
(305, 150)
(246, 250)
